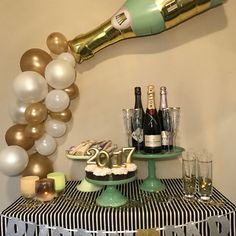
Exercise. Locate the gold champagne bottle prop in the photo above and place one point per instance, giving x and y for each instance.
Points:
(137, 18)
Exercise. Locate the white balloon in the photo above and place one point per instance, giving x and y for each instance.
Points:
(66, 56)
(46, 145)
(13, 160)
(57, 100)
(17, 112)
(55, 128)
(59, 74)
(30, 87)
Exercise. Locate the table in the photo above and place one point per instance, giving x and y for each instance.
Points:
(77, 209)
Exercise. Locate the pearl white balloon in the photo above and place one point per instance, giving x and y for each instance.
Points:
(57, 100)
(17, 112)
(46, 145)
(66, 56)
(13, 160)
(59, 74)
(55, 128)
(30, 87)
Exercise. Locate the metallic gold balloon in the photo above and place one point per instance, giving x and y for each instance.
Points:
(34, 131)
(64, 116)
(38, 165)
(57, 43)
(35, 60)
(15, 135)
(36, 113)
(72, 91)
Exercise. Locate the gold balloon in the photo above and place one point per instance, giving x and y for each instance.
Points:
(15, 135)
(36, 113)
(57, 43)
(35, 60)
(34, 131)
(72, 91)
(64, 116)
(38, 165)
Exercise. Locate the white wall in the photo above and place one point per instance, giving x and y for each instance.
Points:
(196, 61)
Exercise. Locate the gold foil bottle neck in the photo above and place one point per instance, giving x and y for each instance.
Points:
(85, 46)
(151, 89)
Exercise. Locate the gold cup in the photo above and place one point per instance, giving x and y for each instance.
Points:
(45, 190)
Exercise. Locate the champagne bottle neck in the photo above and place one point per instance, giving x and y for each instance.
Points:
(163, 101)
(138, 102)
(151, 102)
(85, 46)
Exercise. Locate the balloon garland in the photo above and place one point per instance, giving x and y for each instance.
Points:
(44, 90)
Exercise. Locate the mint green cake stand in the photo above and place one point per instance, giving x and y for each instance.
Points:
(111, 197)
(84, 185)
(152, 183)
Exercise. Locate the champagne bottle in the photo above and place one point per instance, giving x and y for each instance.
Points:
(166, 142)
(151, 126)
(137, 135)
(137, 18)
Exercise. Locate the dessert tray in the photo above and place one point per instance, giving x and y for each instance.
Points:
(79, 152)
(76, 157)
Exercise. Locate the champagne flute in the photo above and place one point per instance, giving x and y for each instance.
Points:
(127, 117)
(175, 117)
(189, 175)
(137, 125)
(205, 187)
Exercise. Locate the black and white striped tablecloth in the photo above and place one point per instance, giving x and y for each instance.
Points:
(145, 210)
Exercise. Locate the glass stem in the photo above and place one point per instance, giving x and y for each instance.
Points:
(129, 141)
(174, 140)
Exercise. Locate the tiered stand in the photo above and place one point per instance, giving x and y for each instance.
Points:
(152, 183)
(111, 197)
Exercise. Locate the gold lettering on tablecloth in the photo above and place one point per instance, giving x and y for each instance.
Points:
(148, 232)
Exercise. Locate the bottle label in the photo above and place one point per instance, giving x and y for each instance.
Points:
(166, 138)
(121, 20)
(138, 135)
(153, 140)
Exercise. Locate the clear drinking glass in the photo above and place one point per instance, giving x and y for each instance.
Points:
(205, 179)
(189, 176)
(127, 117)
(137, 125)
(175, 118)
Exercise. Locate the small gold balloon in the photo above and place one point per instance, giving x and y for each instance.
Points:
(35, 60)
(36, 113)
(34, 131)
(57, 43)
(64, 116)
(38, 165)
(15, 135)
(72, 91)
